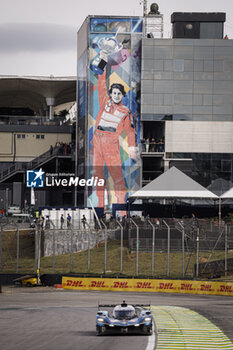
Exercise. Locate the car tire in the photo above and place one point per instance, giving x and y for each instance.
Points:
(29, 284)
(98, 331)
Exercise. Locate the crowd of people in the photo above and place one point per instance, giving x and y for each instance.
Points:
(61, 148)
(152, 144)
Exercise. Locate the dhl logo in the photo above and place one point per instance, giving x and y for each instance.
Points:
(186, 286)
(206, 288)
(166, 286)
(226, 289)
(145, 285)
(70, 283)
(98, 284)
(120, 285)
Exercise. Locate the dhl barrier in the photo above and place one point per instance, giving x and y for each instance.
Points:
(144, 285)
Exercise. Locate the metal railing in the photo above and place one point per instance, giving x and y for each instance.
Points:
(33, 164)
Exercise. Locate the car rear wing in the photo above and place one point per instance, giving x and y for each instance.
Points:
(123, 304)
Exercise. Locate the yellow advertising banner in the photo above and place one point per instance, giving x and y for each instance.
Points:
(146, 285)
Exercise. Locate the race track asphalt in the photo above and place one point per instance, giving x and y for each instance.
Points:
(48, 318)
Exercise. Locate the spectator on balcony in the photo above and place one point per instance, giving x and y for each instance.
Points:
(147, 144)
(161, 145)
(143, 143)
(152, 145)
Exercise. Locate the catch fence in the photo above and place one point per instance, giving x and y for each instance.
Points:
(161, 248)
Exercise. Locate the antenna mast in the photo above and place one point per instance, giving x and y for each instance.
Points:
(144, 8)
(144, 2)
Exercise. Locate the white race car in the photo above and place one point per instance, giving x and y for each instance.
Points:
(124, 318)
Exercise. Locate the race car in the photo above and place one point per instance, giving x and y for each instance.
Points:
(124, 318)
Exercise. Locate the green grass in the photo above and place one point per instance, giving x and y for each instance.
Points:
(62, 263)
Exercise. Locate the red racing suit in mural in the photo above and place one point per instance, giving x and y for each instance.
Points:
(111, 121)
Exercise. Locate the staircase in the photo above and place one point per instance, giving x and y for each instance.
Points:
(21, 167)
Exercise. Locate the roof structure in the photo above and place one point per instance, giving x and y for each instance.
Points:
(228, 194)
(174, 184)
(32, 92)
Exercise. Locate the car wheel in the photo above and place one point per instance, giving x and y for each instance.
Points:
(149, 330)
(98, 331)
(28, 284)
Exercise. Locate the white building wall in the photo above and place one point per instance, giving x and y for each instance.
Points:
(195, 137)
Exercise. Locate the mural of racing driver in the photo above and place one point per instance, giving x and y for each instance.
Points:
(113, 118)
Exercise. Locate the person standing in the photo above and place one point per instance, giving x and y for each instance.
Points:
(62, 221)
(68, 220)
(147, 144)
(84, 221)
(41, 222)
(143, 143)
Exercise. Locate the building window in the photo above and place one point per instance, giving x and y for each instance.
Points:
(226, 165)
(41, 137)
(20, 136)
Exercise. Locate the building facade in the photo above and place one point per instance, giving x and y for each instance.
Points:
(180, 91)
(187, 98)
(35, 134)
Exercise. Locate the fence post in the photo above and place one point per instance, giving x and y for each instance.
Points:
(53, 249)
(1, 248)
(105, 246)
(71, 249)
(121, 268)
(36, 248)
(197, 258)
(182, 248)
(168, 248)
(226, 229)
(153, 248)
(39, 248)
(137, 245)
(17, 253)
(88, 249)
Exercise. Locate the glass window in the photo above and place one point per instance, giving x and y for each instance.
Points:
(226, 165)
(123, 314)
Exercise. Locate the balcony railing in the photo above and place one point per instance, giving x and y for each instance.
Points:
(33, 164)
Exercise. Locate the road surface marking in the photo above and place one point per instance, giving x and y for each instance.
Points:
(181, 328)
(151, 340)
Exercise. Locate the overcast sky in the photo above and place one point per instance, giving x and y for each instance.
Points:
(38, 37)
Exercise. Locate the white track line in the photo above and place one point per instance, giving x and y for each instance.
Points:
(151, 340)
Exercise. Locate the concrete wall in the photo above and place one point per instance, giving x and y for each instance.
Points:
(59, 241)
(205, 137)
(29, 147)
